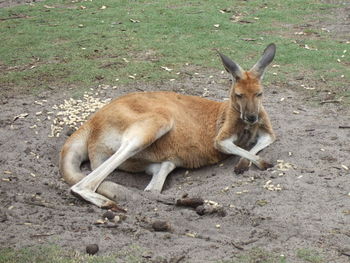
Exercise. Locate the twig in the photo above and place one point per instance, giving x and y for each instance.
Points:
(250, 241)
(331, 101)
(344, 127)
(237, 246)
(107, 226)
(39, 204)
(180, 259)
(140, 89)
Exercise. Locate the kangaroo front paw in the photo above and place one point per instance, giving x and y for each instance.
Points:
(242, 166)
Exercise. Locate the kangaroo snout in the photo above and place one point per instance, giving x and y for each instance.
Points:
(251, 118)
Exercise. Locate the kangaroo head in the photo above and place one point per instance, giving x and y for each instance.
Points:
(246, 91)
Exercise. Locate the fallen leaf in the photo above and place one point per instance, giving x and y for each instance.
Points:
(166, 68)
(261, 202)
(48, 6)
(134, 20)
(225, 10)
(20, 116)
(191, 234)
(309, 48)
(249, 39)
(345, 167)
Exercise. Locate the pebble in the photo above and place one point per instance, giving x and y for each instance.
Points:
(109, 215)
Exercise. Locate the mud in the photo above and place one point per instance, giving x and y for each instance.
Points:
(303, 202)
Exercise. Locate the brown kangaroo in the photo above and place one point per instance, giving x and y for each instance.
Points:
(156, 132)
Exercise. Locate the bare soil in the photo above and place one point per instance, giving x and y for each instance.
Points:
(311, 210)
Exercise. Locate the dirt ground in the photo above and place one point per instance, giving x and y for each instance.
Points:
(301, 203)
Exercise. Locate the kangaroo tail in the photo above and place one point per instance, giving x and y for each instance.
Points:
(73, 154)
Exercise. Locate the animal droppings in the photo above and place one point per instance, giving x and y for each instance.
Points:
(190, 202)
(160, 226)
(92, 249)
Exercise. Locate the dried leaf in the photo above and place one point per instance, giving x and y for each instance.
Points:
(249, 39)
(20, 116)
(345, 167)
(189, 234)
(166, 68)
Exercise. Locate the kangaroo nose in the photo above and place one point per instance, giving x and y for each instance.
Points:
(252, 118)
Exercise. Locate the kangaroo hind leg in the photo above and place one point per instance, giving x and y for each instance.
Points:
(135, 139)
(159, 173)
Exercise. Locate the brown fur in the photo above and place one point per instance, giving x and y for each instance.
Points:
(198, 123)
(141, 129)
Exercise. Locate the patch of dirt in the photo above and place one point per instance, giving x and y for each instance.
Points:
(301, 203)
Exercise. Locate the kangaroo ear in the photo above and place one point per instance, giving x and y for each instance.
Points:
(259, 68)
(231, 67)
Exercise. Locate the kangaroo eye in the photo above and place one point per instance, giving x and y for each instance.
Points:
(238, 95)
(259, 94)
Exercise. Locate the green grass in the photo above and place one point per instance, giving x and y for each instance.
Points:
(309, 255)
(257, 255)
(55, 254)
(78, 44)
(133, 254)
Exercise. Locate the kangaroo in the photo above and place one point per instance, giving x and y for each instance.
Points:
(155, 132)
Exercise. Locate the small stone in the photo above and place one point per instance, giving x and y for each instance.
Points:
(92, 249)
(160, 226)
(109, 215)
